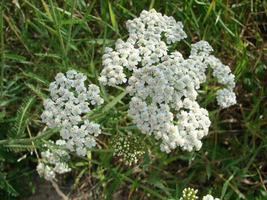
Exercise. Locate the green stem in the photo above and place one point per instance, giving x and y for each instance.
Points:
(45, 135)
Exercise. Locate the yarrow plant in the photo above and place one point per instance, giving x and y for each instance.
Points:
(162, 83)
(53, 160)
(69, 101)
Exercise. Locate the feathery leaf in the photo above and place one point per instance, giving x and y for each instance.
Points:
(22, 119)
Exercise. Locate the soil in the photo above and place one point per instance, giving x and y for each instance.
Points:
(44, 190)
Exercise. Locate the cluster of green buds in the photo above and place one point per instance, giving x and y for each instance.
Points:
(189, 194)
(127, 148)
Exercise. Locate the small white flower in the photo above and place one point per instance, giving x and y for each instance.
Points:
(112, 75)
(226, 98)
(201, 48)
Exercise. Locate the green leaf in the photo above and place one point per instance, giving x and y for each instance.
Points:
(114, 102)
(22, 119)
(6, 186)
(113, 17)
(19, 147)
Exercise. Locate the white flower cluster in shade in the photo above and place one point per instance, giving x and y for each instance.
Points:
(53, 160)
(69, 101)
(225, 96)
(164, 85)
(209, 197)
(191, 194)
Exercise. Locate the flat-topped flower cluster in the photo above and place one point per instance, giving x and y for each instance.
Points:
(53, 160)
(69, 100)
(163, 84)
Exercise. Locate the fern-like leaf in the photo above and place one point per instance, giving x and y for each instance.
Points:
(37, 91)
(6, 186)
(17, 148)
(22, 119)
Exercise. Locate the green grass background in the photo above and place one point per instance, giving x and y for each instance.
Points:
(40, 38)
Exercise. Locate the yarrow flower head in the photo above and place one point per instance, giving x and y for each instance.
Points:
(191, 194)
(53, 160)
(163, 84)
(209, 197)
(69, 101)
(127, 148)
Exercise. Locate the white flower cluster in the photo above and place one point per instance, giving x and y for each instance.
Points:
(53, 160)
(164, 85)
(79, 138)
(209, 197)
(191, 194)
(70, 100)
(143, 45)
(225, 96)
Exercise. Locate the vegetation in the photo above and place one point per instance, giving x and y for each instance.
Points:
(38, 39)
